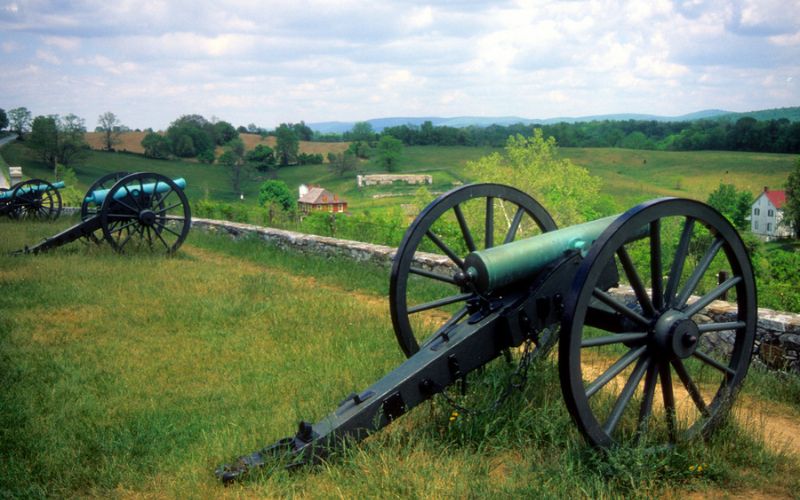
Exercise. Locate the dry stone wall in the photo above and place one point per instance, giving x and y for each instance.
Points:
(777, 334)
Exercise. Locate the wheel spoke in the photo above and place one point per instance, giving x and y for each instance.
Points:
(626, 394)
(462, 223)
(718, 327)
(166, 245)
(621, 308)
(614, 370)
(432, 275)
(489, 240)
(656, 268)
(669, 399)
(713, 362)
(138, 207)
(677, 263)
(690, 386)
(439, 303)
(695, 307)
(134, 210)
(164, 227)
(127, 239)
(614, 339)
(635, 281)
(159, 212)
(446, 249)
(512, 230)
(697, 275)
(646, 408)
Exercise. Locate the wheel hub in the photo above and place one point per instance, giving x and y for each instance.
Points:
(675, 335)
(147, 217)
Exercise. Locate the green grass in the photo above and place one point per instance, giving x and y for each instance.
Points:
(138, 375)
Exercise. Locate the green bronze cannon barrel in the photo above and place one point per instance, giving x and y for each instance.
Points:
(31, 189)
(499, 266)
(97, 197)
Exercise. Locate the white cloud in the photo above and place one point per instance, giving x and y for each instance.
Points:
(47, 57)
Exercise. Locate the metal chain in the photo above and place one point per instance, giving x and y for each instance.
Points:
(516, 380)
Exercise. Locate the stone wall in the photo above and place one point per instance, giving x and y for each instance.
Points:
(380, 179)
(777, 334)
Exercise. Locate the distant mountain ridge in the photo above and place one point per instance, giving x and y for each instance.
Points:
(378, 124)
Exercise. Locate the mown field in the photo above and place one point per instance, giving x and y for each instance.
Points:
(137, 375)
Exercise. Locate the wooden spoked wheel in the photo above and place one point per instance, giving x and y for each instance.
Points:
(424, 297)
(35, 199)
(658, 365)
(145, 211)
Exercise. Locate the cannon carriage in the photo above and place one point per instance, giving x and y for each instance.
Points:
(483, 270)
(34, 199)
(147, 211)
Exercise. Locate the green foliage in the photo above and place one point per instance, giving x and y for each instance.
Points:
(342, 163)
(791, 209)
(361, 132)
(359, 149)
(389, 150)
(206, 157)
(71, 195)
(110, 126)
(310, 159)
(733, 204)
(19, 120)
(3, 119)
(233, 158)
(533, 165)
(224, 132)
(262, 157)
(44, 139)
(287, 145)
(277, 193)
(156, 146)
(191, 135)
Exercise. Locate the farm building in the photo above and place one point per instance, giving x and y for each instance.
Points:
(766, 214)
(315, 199)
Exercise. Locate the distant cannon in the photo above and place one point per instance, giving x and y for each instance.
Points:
(31, 199)
(483, 270)
(141, 210)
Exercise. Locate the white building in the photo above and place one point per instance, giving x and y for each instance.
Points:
(766, 214)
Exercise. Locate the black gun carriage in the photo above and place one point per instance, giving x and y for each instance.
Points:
(141, 210)
(483, 270)
(31, 199)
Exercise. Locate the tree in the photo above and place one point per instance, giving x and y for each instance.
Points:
(111, 127)
(287, 145)
(44, 139)
(341, 163)
(72, 146)
(156, 146)
(191, 135)
(534, 165)
(303, 131)
(262, 157)
(19, 120)
(362, 131)
(274, 192)
(233, 158)
(791, 209)
(733, 204)
(224, 133)
(3, 119)
(389, 151)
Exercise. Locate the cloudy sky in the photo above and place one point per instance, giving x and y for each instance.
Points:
(273, 61)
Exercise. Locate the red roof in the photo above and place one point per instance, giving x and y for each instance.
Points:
(320, 196)
(777, 198)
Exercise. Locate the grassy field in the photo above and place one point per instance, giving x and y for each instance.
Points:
(136, 376)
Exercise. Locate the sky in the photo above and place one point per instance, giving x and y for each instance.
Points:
(270, 62)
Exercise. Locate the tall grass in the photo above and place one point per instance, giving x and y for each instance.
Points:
(137, 375)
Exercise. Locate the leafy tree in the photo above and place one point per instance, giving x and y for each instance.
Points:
(191, 135)
(262, 157)
(224, 133)
(288, 145)
(791, 210)
(389, 151)
(534, 165)
(361, 131)
(277, 193)
(59, 140)
(733, 204)
(359, 149)
(303, 131)
(341, 163)
(156, 146)
(19, 120)
(111, 127)
(3, 119)
(233, 158)
(44, 139)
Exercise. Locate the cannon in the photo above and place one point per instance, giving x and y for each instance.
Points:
(31, 199)
(483, 274)
(141, 210)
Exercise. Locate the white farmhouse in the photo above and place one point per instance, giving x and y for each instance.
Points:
(766, 214)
